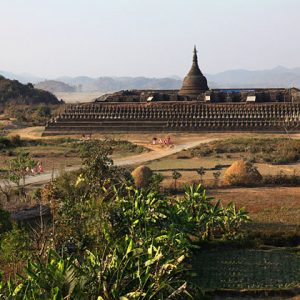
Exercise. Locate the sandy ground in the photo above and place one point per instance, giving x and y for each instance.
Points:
(28, 132)
(142, 138)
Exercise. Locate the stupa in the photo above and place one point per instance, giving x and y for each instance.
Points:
(194, 82)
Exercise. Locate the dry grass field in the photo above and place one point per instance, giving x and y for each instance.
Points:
(58, 154)
(272, 209)
(187, 167)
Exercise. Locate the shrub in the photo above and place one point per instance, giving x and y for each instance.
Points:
(43, 111)
(4, 143)
(15, 247)
(156, 180)
(282, 179)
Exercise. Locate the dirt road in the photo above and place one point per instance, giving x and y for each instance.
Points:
(156, 153)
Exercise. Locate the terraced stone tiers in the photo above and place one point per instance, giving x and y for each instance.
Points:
(175, 116)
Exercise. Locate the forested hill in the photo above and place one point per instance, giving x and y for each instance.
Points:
(14, 92)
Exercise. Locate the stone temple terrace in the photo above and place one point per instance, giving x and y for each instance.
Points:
(193, 108)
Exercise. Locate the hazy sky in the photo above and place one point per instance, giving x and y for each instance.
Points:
(155, 38)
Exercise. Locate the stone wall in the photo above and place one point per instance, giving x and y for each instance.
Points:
(216, 95)
(175, 116)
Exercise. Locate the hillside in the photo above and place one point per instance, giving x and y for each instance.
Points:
(54, 86)
(14, 92)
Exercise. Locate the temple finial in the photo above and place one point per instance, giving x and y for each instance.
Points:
(195, 58)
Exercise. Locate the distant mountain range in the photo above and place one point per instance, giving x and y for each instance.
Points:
(106, 84)
(276, 77)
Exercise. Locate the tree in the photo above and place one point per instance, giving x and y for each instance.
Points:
(98, 168)
(78, 200)
(201, 172)
(5, 187)
(44, 111)
(216, 177)
(176, 175)
(18, 169)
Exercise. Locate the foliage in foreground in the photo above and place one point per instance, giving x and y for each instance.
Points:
(109, 240)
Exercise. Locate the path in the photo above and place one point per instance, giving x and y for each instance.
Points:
(129, 160)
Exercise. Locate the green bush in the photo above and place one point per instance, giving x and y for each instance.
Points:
(15, 247)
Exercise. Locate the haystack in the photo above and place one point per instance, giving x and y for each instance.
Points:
(242, 173)
(142, 176)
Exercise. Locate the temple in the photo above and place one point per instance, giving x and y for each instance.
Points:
(194, 107)
(194, 82)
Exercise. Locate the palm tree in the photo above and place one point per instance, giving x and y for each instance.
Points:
(217, 177)
(212, 220)
(176, 175)
(201, 172)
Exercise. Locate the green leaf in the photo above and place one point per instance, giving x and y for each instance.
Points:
(136, 222)
(153, 260)
(56, 294)
(130, 246)
(17, 289)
